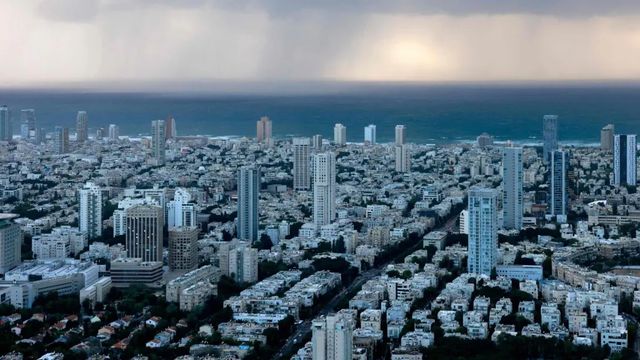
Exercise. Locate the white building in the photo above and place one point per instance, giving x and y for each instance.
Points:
(512, 186)
(301, 174)
(403, 158)
(10, 242)
(180, 211)
(248, 192)
(483, 231)
(370, 134)
(400, 135)
(332, 338)
(90, 210)
(340, 134)
(324, 188)
(158, 141)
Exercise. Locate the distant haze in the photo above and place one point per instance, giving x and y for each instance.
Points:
(67, 41)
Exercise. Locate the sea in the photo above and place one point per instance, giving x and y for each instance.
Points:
(432, 113)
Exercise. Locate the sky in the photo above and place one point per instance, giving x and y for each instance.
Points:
(297, 40)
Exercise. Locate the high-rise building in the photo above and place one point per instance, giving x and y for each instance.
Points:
(512, 186)
(324, 188)
(549, 136)
(483, 231)
(28, 124)
(82, 126)
(183, 248)
(100, 134)
(144, 235)
(332, 337)
(316, 140)
(243, 264)
(483, 140)
(624, 160)
(158, 141)
(558, 199)
(10, 242)
(90, 213)
(263, 130)
(114, 132)
(606, 137)
(370, 134)
(403, 159)
(340, 134)
(61, 140)
(400, 135)
(301, 174)
(170, 131)
(248, 192)
(6, 131)
(180, 211)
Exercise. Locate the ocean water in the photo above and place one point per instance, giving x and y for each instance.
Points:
(432, 113)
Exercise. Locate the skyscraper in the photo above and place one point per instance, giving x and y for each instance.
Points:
(558, 183)
(100, 134)
(370, 134)
(400, 135)
(10, 242)
(170, 131)
(158, 141)
(6, 131)
(301, 175)
(243, 263)
(483, 230)
(324, 188)
(512, 186)
(624, 160)
(403, 159)
(549, 135)
(144, 232)
(183, 248)
(248, 191)
(316, 140)
(180, 211)
(114, 132)
(90, 212)
(28, 124)
(606, 137)
(263, 130)
(340, 134)
(82, 126)
(332, 337)
(61, 140)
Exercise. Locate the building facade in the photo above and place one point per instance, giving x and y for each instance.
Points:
(549, 136)
(144, 232)
(483, 231)
(512, 187)
(624, 160)
(324, 188)
(90, 210)
(301, 174)
(248, 192)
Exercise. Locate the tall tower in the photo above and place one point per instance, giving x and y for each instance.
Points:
(340, 134)
(263, 130)
(332, 338)
(170, 131)
(512, 185)
(28, 124)
(301, 175)
(183, 248)
(248, 191)
(61, 140)
(6, 131)
(82, 126)
(483, 230)
(558, 200)
(624, 160)
(158, 141)
(549, 135)
(403, 159)
(90, 214)
(606, 137)
(114, 132)
(144, 232)
(316, 140)
(10, 241)
(180, 211)
(400, 135)
(370, 134)
(243, 264)
(324, 188)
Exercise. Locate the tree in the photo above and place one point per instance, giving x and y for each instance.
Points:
(264, 243)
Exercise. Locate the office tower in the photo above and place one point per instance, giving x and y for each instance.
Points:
(158, 141)
(243, 264)
(28, 124)
(332, 337)
(40, 135)
(170, 131)
(10, 242)
(6, 132)
(484, 140)
(558, 183)
(301, 175)
(512, 187)
(340, 135)
(324, 188)
(82, 126)
(400, 135)
(606, 137)
(114, 132)
(248, 191)
(483, 230)
(317, 142)
(180, 211)
(61, 140)
(183, 248)
(144, 232)
(403, 159)
(370, 134)
(100, 134)
(549, 136)
(263, 130)
(624, 160)
(90, 212)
